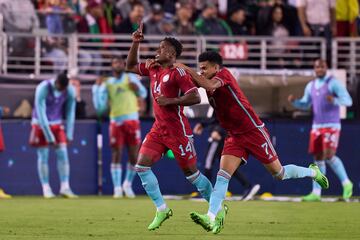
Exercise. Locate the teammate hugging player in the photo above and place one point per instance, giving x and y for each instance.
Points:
(172, 89)
(246, 134)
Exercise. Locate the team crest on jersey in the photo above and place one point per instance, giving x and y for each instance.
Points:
(166, 78)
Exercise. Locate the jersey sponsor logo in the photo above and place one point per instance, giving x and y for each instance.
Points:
(166, 78)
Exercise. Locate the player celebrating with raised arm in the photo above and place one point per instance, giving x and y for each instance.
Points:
(121, 93)
(246, 134)
(172, 89)
(325, 95)
(51, 97)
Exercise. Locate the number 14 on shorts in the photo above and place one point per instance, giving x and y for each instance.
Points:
(188, 148)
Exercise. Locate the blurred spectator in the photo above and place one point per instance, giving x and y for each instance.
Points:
(80, 111)
(126, 7)
(237, 21)
(131, 23)
(54, 10)
(290, 17)
(346, 14)
(183, 23)
(317, 18)
(54, 51)
(209, 23)
(94, 23)
(153, 22)
(19, 15)
(112, 14)
(167, 26)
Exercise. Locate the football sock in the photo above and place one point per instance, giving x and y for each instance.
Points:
(63, 166)
(115, 169)
(202, 184)
(130, 174)
(151, 186)
(338, 167)
(293, 171)
(218, 194)
(42, 165)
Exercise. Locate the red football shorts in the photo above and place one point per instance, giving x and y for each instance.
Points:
(255, 142)
(323, 138)
(127, 133)
(156, 144)
(37, 137)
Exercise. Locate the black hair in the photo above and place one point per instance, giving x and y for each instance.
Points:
(117, 57)
(136, 3)
(176, 44)
(63, 80)
(211, 56)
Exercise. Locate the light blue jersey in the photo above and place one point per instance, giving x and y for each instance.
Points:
(42, 105)
(341, 98)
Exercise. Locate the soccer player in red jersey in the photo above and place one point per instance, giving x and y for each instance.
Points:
(172, 88)
(246, 134)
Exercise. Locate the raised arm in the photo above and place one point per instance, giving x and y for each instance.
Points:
(132, 58)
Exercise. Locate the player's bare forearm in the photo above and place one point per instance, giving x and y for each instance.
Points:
(132, 59)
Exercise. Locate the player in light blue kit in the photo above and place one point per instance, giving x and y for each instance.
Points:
(325, 95)
(52, 97)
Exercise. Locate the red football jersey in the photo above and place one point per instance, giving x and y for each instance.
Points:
(171, 83)
(232, 108)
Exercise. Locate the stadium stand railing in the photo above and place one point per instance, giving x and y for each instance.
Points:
(41, 54)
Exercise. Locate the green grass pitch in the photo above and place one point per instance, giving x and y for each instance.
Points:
(105, 218)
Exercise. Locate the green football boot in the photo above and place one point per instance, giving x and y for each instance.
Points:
(347, 191)
(203, 220)
(160, 217)
(220, 220)
(320, 178)
(311, 198)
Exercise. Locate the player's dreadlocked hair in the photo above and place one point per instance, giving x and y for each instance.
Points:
(176, 44)
(211, 56)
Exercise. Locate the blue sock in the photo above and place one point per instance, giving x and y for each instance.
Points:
(63, 166)
(150, 184)
(42, 164)
(219, 192)
(202, 184)
(293, 171)
(130, 174)
(116, 174)
(338, 167)
(316, 187)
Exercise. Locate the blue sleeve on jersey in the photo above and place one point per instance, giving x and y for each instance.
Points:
(1, 112)
(304, 102)
(70, 113)
(40, 103)
(142, 92)
(342, 95)
(100, 98)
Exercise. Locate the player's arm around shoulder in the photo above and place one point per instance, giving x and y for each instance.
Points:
(201, 81)
(341, 95)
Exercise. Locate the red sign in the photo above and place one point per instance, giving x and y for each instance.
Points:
(234, 51)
